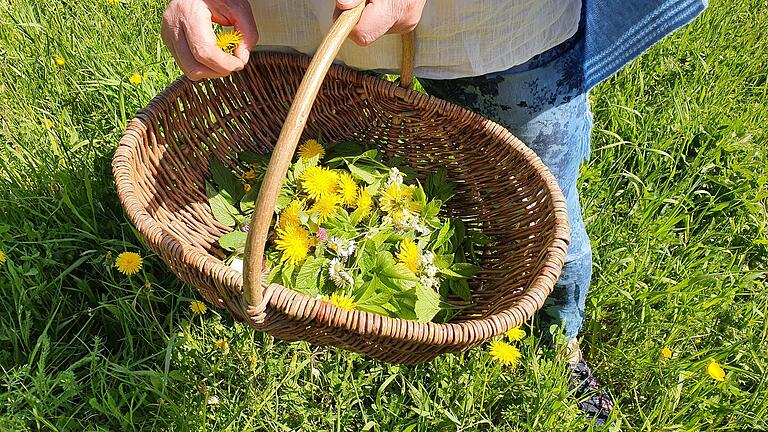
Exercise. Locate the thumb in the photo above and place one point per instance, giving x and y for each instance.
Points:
(347, 4)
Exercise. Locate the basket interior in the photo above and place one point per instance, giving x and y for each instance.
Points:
(499, 186)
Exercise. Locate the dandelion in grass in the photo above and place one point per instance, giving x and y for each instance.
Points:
(128, 263)
(505, 353)
(112, 2)
(198, 307)
(310, 149)
(715, 371)
(228, 41)
(666, 353)
(343, 301)
(318, 181)
(135, 79)
(221, 344)
(213, 400)
(291, 215)
(347, 190)
(515, 334)
(325, 207)
(59, 60)
(408, 255)
(2, 258)
(397, 199)
(294, 242)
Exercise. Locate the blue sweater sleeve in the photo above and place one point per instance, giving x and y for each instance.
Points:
(616, 31)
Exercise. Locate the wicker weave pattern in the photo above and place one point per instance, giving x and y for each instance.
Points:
(503, 189)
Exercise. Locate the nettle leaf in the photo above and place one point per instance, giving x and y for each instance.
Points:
(311, 276)
(466, 269)
(438, 185)
(222, 206)
(427, 303)
(233, 241)
(460, 287)
(226, 179)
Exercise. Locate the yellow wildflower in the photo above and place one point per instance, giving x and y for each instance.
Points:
(247, 187)
(228, 41)
(515, 334)
(715, 371)
(2, 257)
(249, 175)
(112, 2)
(318, 181)
(505, 353)
(291, 215)
(135, 79)
(396, 198)
(222, 344)
(666, 353)
(310, 149)
(59, 60)
(47, 123)
(409, 255)
(198, 307)
(343, 301)
(128, 263)
(364, 205)
(325, 207)
(294, 242)
(347, 189)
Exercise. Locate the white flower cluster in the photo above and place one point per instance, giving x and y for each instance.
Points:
(406, 221)
(428, 277)
(339, 275)
(395, 176)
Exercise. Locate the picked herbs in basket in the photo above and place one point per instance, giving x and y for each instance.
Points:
(354, 230)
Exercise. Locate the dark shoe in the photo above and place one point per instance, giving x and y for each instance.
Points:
(593, 402)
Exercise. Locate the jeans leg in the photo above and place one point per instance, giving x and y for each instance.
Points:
(543, 103)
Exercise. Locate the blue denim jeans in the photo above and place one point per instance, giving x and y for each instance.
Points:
(543, 102)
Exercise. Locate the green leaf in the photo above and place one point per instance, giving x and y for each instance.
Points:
(427, 303)
(466, 269)
(233, 241)
(444, 234)
(364, 174)
(460, 287)
(310, 276)
(221, 207)
(398, 271)
(226, 179)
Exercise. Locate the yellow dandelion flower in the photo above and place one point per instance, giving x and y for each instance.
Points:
(135, 79)
(128, 263)
(343, 301)
(396, 198)
(198, 307)
(715, 371)
(228, 41)
(294, 242)
(310, 149)
(347, 189)
(325, 207)
(666, 353)
(221, 344)
(291, 215)
(505, 353)
(247, 187)
(2, 258)
(318, 181)
(59, 60)
(249, 175)
(364, 205)
(409, 255)
(112, 2)
(515, 334)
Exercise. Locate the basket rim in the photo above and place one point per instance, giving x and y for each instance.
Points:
(300, 307)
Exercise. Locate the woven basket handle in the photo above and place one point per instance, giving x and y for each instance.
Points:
(289, 138)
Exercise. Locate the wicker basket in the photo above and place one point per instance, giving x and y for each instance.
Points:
(502, 188)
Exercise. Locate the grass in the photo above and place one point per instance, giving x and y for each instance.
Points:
(675, 200)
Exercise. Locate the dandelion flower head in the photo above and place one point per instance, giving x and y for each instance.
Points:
(198, 307)
(325, 207)
(397, 199)
(310, 149)
(715, 371)
(505, 353)
(128, 263)
(343, 301)
(221, 344)
(666, 353)
(228, 41)
(408, 255)
(318, 181)
(515, 334)
(135, 79)
(2, 257)
(59, 60)
(294, 242)
(364, 204)
(291, 215)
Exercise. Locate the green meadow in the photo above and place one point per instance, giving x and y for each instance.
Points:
(675, 198)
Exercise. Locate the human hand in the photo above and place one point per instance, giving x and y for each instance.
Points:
(382, 17)
(188, 33)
